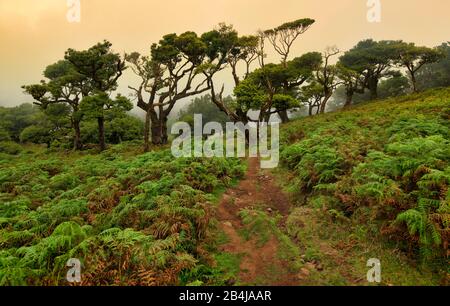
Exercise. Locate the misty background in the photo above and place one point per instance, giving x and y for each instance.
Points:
(34, 34)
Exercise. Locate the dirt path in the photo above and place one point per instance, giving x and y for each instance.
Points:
(260, 265)
(320, 249)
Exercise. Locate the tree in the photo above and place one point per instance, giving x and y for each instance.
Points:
(353, 82)
(299, 70)
(436, 74)
(49, 125)
(283, 37)
(413, 58)
(101, 68)
(80, 74)
(327, 77)
(99, 65)
(168, 75)
(311, 95)
(96, 106)
(372, 60)
(123, 127)
(202, 105)
(243, 49)
(272, 88)
(14, 120)
(395, 86)
(232, 49)
(63, 85)
(119, 127)
(259, 91)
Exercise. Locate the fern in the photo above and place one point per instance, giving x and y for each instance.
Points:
(418, 223)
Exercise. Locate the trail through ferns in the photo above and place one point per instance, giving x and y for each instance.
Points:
(276, 242)
(246, 210)
(254, 217)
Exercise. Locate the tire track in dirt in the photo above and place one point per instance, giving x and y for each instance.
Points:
(260, 265)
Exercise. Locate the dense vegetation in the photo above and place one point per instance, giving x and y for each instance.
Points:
(80, 86)
(135, 215)
(51, 126)
(384, 165)
(131, 219)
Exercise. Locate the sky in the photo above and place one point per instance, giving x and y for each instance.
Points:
(35, 33)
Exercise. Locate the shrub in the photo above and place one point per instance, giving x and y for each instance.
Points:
(10, 147)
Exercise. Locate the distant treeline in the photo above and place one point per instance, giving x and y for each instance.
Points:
(78, 107)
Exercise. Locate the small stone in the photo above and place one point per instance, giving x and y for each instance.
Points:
(319, 267)
(230, 282)
(310, 266)
(304, 272)
(228, 223)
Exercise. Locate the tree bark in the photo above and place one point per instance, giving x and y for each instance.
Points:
(147, 132)
(159, 129)
(349, 98)
(165, 136)
(101, 133)
(283, 116)
(323, 105)
(156, 130)
(77, 145)
(414, 81)
(241, 115)
(373, 88)
(265, 116)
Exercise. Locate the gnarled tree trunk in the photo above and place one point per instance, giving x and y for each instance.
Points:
(373, 88)
(323, 105)
(147, 132)
(283, 116)
(77, 145)
(414, 82)
(348, 98)
(101, 133)
(159, 129)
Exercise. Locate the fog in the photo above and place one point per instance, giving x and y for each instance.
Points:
(34, 34)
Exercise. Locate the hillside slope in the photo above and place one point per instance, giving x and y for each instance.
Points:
(380, 168)
(367, 182)
(130, 219)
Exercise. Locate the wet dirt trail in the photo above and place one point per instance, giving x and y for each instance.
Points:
(260, 264)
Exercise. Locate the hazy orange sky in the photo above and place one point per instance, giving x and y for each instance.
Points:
(35, 33)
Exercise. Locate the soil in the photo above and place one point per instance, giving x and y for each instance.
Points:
(260, 265)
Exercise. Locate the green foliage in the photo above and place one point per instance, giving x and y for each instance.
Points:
(314, 161)
(50, 124)
(204, 106)
(384, 164)
(118, 128)
(15, 119)
(274, 85)
(4, 135)
(372, 60)
(436, 74)
(394, 87)
(10, 147)
(136, 220)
